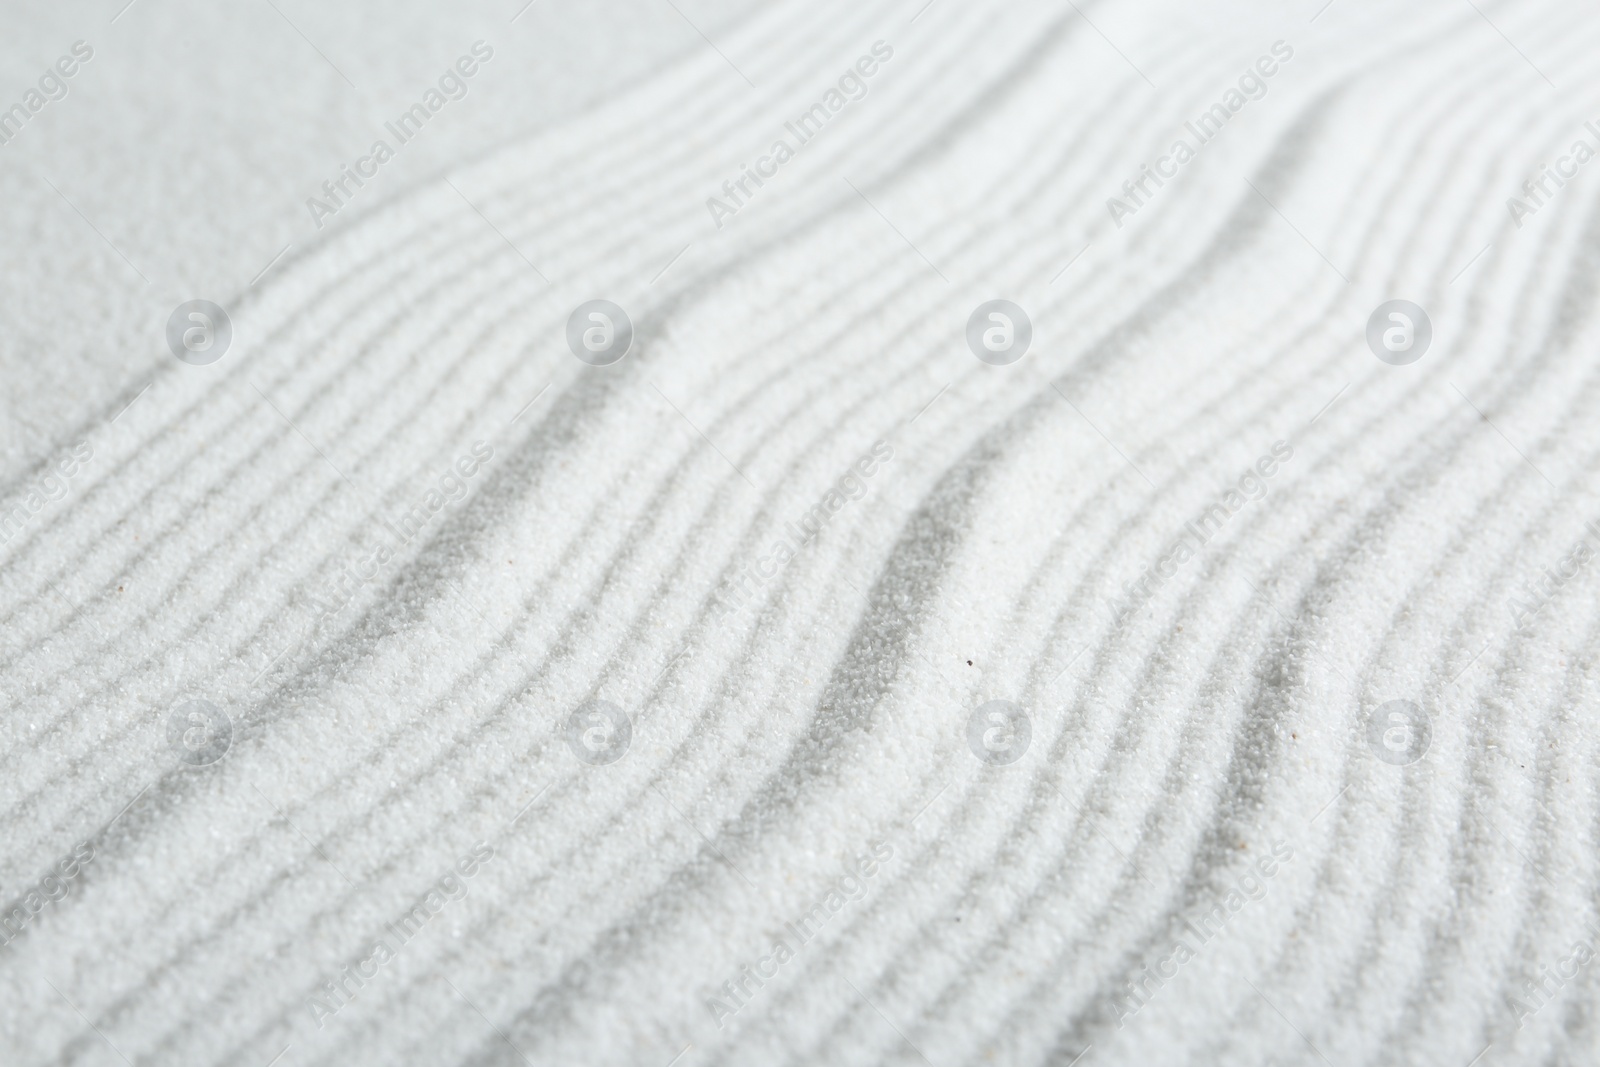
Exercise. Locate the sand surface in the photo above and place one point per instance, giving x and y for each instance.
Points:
(1200, 673)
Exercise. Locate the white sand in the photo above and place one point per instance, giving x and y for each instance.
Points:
(799, 770)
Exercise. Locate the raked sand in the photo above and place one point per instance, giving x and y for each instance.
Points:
(1199, 688)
